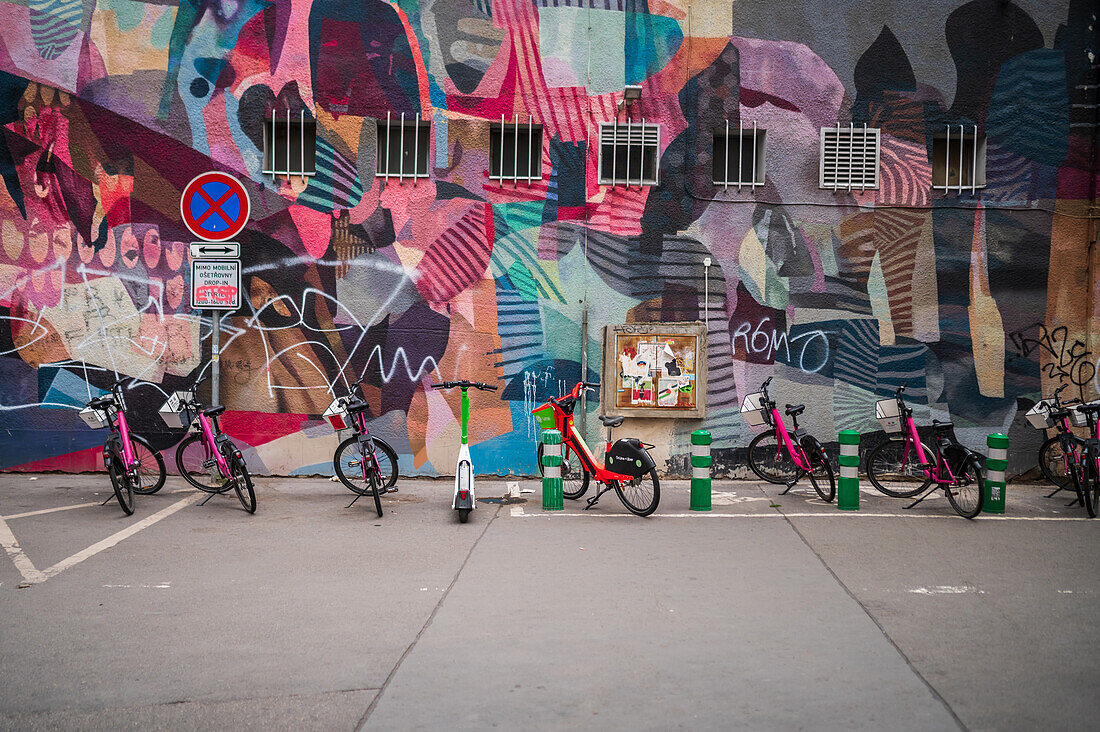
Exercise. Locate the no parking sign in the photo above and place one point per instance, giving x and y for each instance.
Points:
(214, 206)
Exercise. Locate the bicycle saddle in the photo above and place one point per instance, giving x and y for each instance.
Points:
(1059, 413)
(1089, 408)
(611, 421)
(213, 411)
(938, 425)
(357, 405)
(793, 410)
(100, 402)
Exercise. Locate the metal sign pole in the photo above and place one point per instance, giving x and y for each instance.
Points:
(215, 343)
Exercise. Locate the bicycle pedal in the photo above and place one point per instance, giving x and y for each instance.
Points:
(355, 463)
(923, 466)
(209, 463)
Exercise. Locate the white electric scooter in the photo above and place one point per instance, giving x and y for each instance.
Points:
(464, 500)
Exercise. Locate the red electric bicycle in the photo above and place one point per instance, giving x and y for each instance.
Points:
(627, 468)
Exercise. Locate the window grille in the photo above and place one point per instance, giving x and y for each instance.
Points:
(849, 157)
(290, 145)
(738, 157)
(628, 153)
(958, 160)
(515, 151)
(403, 148)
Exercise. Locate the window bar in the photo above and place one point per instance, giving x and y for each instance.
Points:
(962, 136)
(753, 181)
(530, 144)
(272, 145)
(947, 163)
(389, 141)
(851, 153)
(656, 155)
(740, 152)
(641, 157)
(614, 148)
(515, 151)
(302, 145)
(416, 149)
(401, 154)
(500, 173)
(288, 145)
(974, 166)
(726, 160)
(629, 149)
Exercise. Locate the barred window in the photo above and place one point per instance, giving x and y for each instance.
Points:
(290, 145)
(738, 157)
(958, 159)
(403, 147)
(515, 151)
(629, 153)
(849, 157)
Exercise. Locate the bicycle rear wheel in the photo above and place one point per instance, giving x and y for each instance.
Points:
(198, 465)
(387, 463)
(124, 488)
(965, 495)
(150, 466)
(242, 481)
(574, 478)
(769, 460)
(641, 495)
(895, 473)
(1052, 462)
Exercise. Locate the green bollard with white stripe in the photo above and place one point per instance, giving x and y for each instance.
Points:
(700, 470)
(847, 495)
(993, 492)
(552, 498)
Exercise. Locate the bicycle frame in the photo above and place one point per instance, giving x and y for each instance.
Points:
(572, 440)
(933, 471)
(124, 433)
(783, 437)
(207, 428)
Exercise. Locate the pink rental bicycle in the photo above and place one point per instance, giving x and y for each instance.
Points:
(132, 463)
(207, 459)
(775, 457)
(904, 467)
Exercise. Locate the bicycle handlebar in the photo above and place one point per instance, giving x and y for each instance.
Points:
(464, 385)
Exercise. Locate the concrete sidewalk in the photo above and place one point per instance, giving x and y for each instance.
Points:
(766, 613)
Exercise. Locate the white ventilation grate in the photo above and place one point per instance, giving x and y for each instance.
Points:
(849, 157)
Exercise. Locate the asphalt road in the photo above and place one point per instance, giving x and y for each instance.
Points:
(767, 612)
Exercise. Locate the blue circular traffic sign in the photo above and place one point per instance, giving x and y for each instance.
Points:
(214, 206)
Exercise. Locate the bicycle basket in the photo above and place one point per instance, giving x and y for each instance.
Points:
(177, 412)
(752, 410)
(1039, 415)
(544, 415)
(886, 412)
(1077, 418)
(94, 418)
(337, 414)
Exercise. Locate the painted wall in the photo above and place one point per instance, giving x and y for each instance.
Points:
(980, 304)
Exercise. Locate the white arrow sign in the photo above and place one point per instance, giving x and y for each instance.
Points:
(215, 250)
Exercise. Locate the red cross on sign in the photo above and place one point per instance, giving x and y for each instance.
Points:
(214, 206)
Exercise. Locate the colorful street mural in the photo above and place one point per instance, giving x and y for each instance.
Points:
(980, 304)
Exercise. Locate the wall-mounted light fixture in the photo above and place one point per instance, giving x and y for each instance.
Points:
(632, 92)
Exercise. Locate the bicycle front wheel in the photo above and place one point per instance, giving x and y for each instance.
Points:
(1052, 462)
(965, 494)
(769, 460)
(574, 478)
(150, 466)
(641, 495)
(198, 465)
(242, 481)
(120, 481)
(895, 472)
(822, 478)
(1089, 491)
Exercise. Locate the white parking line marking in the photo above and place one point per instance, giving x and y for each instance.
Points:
(48, 510)
(116, 537)
(22, 561)
(853, 514)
